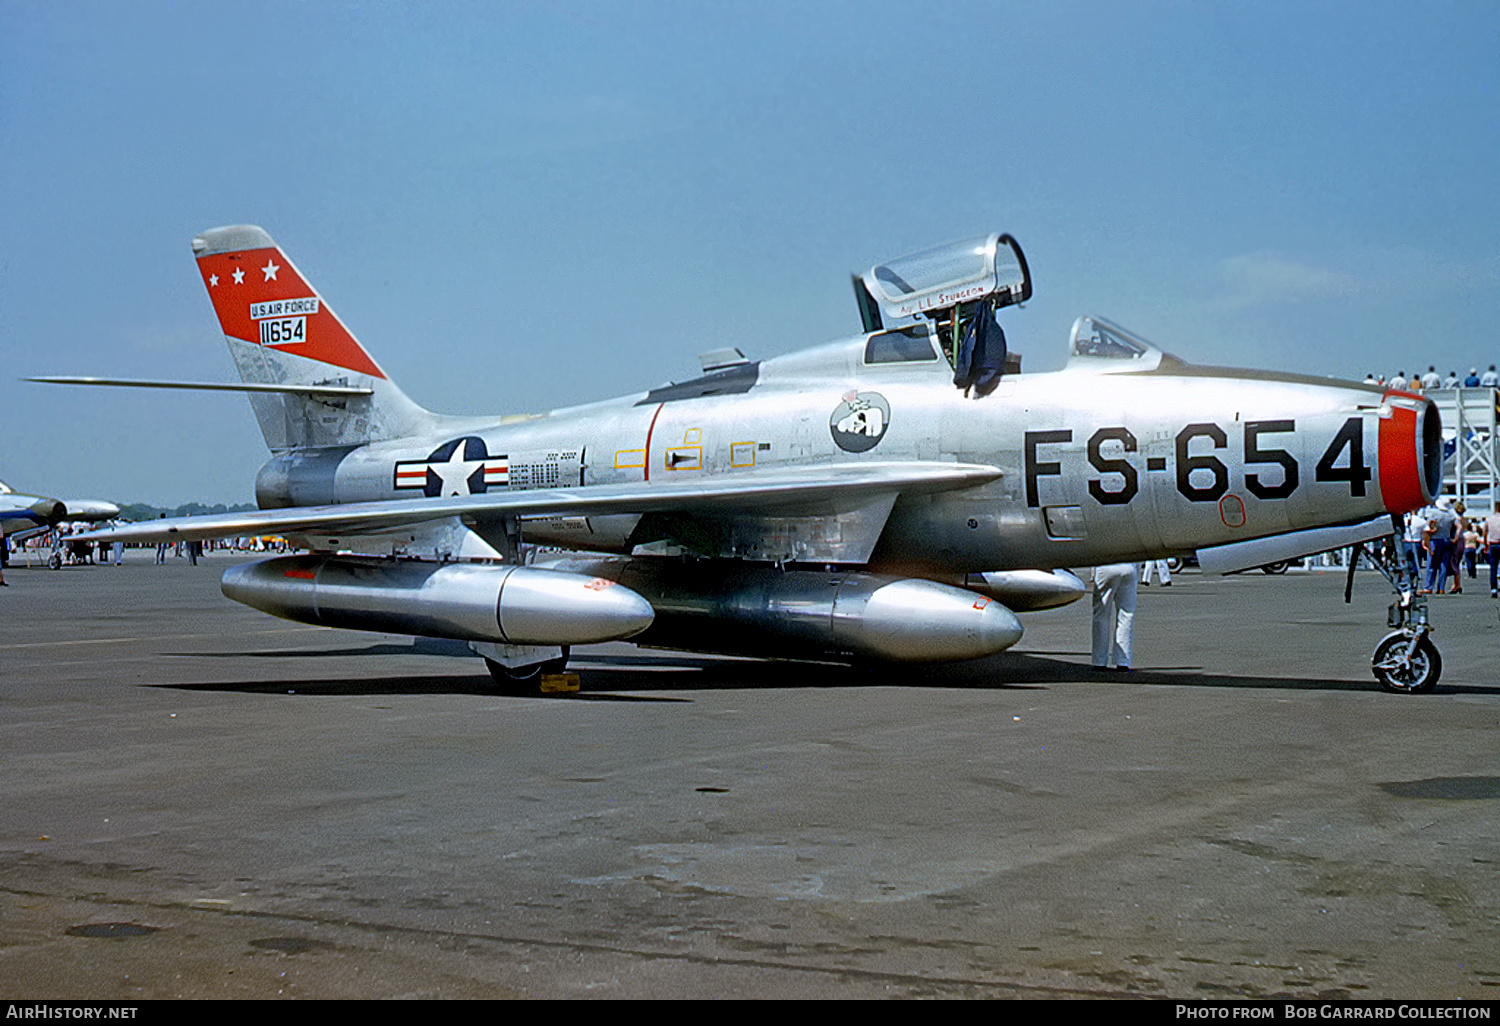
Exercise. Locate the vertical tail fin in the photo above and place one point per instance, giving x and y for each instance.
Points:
(281, 332)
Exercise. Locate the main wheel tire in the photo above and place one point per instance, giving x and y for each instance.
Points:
(1397, 674)
(525, 680)
(1278, 567)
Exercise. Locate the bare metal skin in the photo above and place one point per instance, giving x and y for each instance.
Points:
(844, 501)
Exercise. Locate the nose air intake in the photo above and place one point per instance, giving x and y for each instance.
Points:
(1411, 453)
(1431, 449)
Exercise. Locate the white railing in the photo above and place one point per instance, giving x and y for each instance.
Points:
(1469, 419)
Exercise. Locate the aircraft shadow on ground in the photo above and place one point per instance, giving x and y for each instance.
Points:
(636, 676)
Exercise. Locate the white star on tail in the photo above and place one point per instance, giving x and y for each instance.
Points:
(270, 270)
(239, 276)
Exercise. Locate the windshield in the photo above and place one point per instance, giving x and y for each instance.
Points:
(1098, 339)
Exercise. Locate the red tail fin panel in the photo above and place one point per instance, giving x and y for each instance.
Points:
(280, 332)
(262, 299)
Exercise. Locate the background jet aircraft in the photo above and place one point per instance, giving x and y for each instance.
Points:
(22, 514)
(848, 501)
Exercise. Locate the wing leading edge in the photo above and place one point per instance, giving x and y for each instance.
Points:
(809, 491)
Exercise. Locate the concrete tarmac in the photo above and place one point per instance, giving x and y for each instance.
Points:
(202, 801)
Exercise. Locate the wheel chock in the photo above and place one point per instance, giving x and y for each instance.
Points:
(559, 683)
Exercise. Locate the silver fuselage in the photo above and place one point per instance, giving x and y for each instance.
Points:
(1097, 465)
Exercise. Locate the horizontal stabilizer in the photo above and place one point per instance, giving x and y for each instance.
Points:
(210, 386)
(1228, 559)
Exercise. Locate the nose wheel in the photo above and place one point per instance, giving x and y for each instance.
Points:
(1406, 663)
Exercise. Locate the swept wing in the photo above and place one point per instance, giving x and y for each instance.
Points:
(805, 490)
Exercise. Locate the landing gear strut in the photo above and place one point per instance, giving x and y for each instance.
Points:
(1406, 661)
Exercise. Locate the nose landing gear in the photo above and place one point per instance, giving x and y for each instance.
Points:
(1406, 661)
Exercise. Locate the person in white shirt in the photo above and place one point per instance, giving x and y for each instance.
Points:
(1411, 542)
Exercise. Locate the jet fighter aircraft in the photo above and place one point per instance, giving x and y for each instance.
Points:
(22, 515)
(861, 500)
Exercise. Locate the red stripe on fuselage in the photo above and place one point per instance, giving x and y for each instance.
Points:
(648, 440)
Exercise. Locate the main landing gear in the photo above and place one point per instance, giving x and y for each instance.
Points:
(526, 679)
(1406, 661)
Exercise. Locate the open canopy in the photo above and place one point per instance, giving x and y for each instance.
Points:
(991, 268)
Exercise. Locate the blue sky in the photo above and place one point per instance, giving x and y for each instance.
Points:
(520, 206)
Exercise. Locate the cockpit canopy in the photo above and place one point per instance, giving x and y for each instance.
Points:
(942, 292)
(991, 268)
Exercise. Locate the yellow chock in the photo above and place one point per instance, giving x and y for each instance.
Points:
(559, 683)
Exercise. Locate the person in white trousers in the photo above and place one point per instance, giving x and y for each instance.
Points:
(1160, 568)
(1114, 615)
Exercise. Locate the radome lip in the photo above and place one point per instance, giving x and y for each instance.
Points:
(1410, 452)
